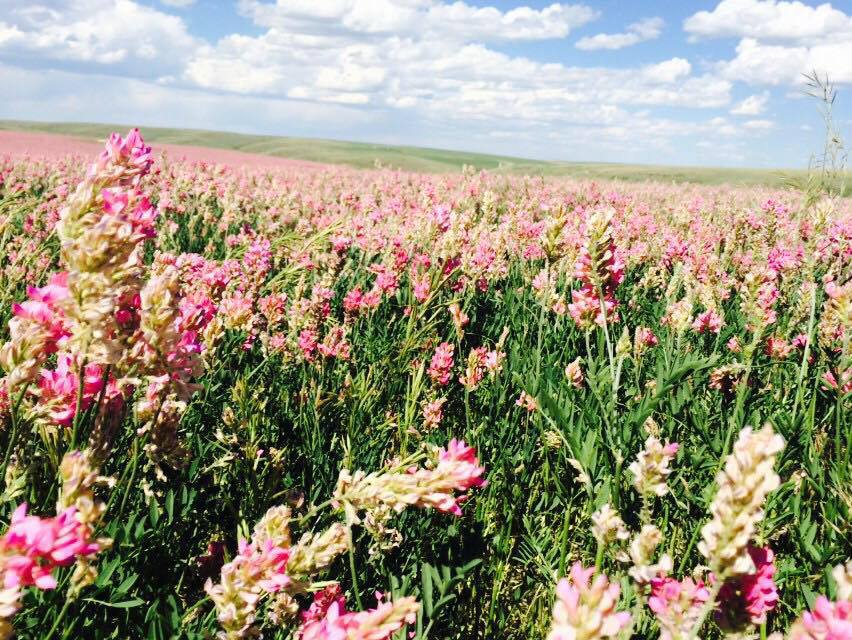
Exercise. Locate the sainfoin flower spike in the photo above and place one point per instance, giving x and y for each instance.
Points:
(677, 605)
(585, 607)
(743, 484)
(456, 469)
(651, 467)
(328, 619)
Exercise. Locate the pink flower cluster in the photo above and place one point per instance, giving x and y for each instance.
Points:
(58, 388)
(328, 619)
(586, 608)
(828, 621)
(479, 362)
(600, 271)
(33, 547)
(677, 604)
(748, 598)
(708, 322)
(128, 158)
(441, 367)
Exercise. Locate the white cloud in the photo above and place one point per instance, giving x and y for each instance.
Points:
(179, 4)
(753, 105)
(774, 20)
(642, 31)
(769, 64)
(668, 71)
(417, 18)
(759, 125)
(415, 71)
(129, 38)
(780, 40)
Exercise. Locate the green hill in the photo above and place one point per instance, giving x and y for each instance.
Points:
(364, 155)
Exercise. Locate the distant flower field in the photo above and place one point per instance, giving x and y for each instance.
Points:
(319, 403)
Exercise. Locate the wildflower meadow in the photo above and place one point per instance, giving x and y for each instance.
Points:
(334, 404)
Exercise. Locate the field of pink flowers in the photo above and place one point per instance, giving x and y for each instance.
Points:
(334, 404)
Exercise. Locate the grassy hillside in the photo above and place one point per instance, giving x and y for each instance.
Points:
(358, 154)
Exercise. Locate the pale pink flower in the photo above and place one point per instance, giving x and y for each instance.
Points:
(585, 609)
(677, 604)
(433, 413)
(574, 373)
(526, 401)
(828, 621)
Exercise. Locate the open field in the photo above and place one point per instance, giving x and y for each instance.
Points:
(254, 400)
(412, 158)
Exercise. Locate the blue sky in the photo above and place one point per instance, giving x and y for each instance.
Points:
(704, 83)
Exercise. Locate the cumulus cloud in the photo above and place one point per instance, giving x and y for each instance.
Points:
(779, 40)
(759, 125)
(642, 31)
(753, 105)
(416, 18)
(770, 64)
(119, 36)
(434, 72)
(772, 20)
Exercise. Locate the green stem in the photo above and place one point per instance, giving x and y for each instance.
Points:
(354, 572)
(81, 381)
(14, 435)
(58, 620)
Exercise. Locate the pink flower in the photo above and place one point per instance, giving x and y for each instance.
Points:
(123, 159)
(328, 619)
(734, 345)
(585, 608)
(421, 288)
(585, 307)
(828, 621)
(441, 366)
(308, 343)
(353, 300)
(526, 401)
(459, 462)
(574, 373)
(33, 547)
(433, 413)
(748, 598)
(777, 348)
(58, 389)
(676, 604)
(646, 337)
(709, 321)
(44, 309)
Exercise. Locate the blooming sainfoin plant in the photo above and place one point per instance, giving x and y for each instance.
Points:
(271, 564)
(145, 299)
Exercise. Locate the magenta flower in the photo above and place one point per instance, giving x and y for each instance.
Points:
(440, 369)
(328, 619)
(708, 322)
(58, 389)
(33, 547)
(748, 598)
